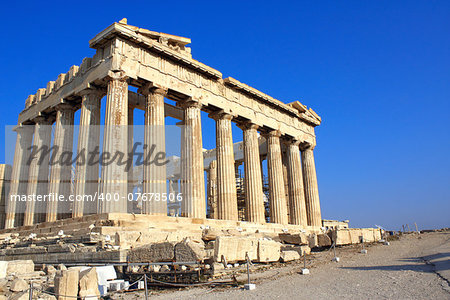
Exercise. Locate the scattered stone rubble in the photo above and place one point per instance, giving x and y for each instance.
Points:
(15, 279)
(117, 241)
(60, 283)
(110, 244)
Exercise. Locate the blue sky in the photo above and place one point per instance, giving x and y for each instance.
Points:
(377, 72)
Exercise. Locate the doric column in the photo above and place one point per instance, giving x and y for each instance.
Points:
(5, 181)
(86, 172)
(130, 173)
(61, 168)
(114, 176)
(278, 209)
(297, 206)
(155, 181)
(254, 201)
(173, 204)
(38, 172)
(310, 184)
(19, 176)
(173, 186)
(192, 174)
(226, 177)
(284, 159)
(212, 189)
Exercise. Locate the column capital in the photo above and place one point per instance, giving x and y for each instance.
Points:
(189, 103)
(221, 115)
(20, 128)
(307, 146)
(42, 120)
(292, 141)
(151, 88)
(117, 75)
(97, 91)
(64, 106)
(247, 125)
(272, 133)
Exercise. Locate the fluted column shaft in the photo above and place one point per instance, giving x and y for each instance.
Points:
(155, 181)
(278, 209)
(212, 189)
(284, 159)
(192, 174)
(86, 180)
(254, 201)
(19, 176)
(5, 183)
(174, 206)
(311, 189)
(38, 172)
(114, 176)
(297, 206)
(226, 177)
(130, 177)
(61, 170)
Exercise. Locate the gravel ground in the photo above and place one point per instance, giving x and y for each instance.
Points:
(414, 267)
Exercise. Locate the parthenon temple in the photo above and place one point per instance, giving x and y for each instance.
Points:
(139, 69)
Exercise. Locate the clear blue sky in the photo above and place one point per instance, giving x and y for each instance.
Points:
(376, 71)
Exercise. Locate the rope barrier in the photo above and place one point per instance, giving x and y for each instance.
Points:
(193, 284)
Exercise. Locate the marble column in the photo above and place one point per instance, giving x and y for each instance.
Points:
(284, 159)
(277, 194)
(310, 184)
(131, 181)
(38, 172)
(19, 176)
(173, 204)
(226, 177)
(254, 201)
(61, 167)
(114, 176)
(155, 181)
(192, 172)
(297, 206)
(212, 189)
(86, 173)
(173, 186)
(5, 181)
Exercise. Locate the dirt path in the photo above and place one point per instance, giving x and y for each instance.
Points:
(398, 271)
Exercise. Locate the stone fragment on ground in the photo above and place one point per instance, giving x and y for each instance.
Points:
(313, 241)
(190, 250)
(66, 283)
(210, 234)
(4, 286)
(49, 270)
(3, 269)
(89, 284)
(296, 239)
(302, 250)
(234, 249)
(323, 240)
(158, 252)
(19, 285)
(268, 251)
(289, 255)
(19, 267)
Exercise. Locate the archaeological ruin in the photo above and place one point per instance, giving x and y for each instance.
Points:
(139, 69)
